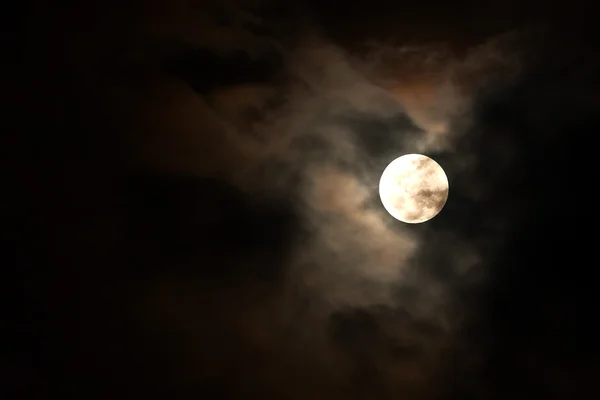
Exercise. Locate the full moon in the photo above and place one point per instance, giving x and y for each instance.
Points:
(413, 188)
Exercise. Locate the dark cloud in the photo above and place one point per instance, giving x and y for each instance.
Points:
(200, 221)
(378, 137)
(204, 70)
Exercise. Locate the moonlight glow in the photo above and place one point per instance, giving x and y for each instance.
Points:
(413, 188)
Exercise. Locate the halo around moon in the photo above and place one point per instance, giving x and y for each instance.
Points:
(413, 188)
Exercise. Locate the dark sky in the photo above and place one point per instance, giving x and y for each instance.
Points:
(190, 208)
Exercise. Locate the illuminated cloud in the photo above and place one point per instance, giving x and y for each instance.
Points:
(360, 302)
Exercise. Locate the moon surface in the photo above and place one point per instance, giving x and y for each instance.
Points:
(413, 188)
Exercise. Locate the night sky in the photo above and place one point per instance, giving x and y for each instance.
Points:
(191, 209)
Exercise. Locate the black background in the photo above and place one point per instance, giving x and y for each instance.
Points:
(83, 226)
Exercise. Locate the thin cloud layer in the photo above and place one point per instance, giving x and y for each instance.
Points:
(259, 258)
(365, 306)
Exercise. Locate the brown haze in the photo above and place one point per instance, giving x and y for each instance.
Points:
(355, 256)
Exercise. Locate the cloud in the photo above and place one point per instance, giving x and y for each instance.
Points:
(302, 285)
(223, 28)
